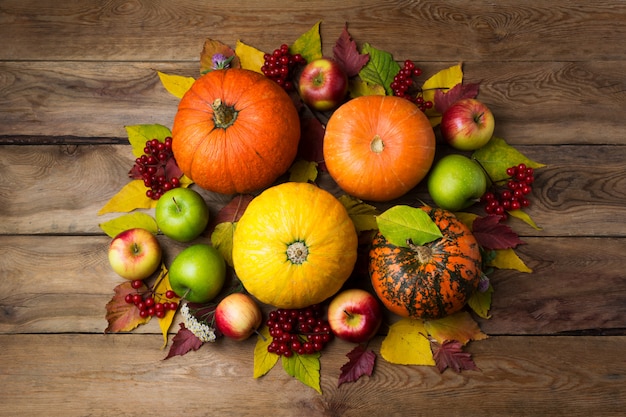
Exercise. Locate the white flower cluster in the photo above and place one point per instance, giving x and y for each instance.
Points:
(202, 331)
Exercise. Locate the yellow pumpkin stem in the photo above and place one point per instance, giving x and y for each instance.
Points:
(297, 252)
(223, 115)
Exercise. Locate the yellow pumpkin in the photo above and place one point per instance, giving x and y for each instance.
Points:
(294, 246)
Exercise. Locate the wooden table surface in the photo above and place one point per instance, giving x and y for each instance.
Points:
(73, 74)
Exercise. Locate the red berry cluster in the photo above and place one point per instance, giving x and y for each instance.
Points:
(515, 195)
(151, 167)
(298, 331)
(147, 304)
(280, 64)
(403, 85)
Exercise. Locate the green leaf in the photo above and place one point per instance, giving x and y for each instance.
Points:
(380, 69)
(480, 302)
(497, 155)
(176, 85)
(222, 240)
(129, 221)
(138, 135)
(303, 171)
(309, 45)
(305, 368)
(407, 344)
(402, 223)
(264, 361)
(363, 215)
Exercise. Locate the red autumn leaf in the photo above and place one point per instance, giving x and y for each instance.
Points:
(491, 234)
(311, 142)
(458, 92)
(346, 53)
(450, 354)
(232, 211)
(361, 362)
(172, 170)
(183, 342)
(121, 316)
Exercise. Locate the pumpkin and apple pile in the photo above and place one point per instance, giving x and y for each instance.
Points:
(301, 224)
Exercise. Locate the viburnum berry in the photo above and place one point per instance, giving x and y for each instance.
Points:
(298, 331)
(403, 85)
(280, 66)
(152, 168)
(514, 196)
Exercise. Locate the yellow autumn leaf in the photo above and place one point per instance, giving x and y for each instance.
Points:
(305, 368)
(480, 302)
(309, 44)
(508, 259)
(264, 361)
(407, 344)
(363, 215)
(466, 218)
(523, 216)
(250, 58)
(222, 240)
(162, 285)
(358, 88)
(443, 80)
(176, 85)
(138, 135)
(129, 221)
(303, 171)
(458, 326)
(132, 196)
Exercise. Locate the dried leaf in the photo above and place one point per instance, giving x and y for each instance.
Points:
(444, 99)
(176, 85)
(183, 342)
(362, 214)
(450, 354)
(508, 259)
(162, 285)
(523, 216)
(132, 196)
(121, 316)
(212, 47)
(458, 326)
(492, 234)
(358, 88)
(129, 221)
(480, 302)
(407, 344)
(222, 240)
(264, 361)
(309, 45)
(402, 223)
(444, 80)
(249, 57)
(361, 362)
(305, 368)
(303, 171)
(497, 155)
(347, 54)
(380, 69)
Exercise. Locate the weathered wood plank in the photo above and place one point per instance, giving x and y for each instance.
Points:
(572, 197)
(77, 375)
(62, 283)
(161, 30)
(534, 102)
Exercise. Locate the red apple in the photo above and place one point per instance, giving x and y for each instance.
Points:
(354, 315)
(467, 124)
(323, 84)
(237, 316)
(135, 254)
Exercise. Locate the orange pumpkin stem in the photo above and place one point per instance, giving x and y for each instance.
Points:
(223, 115)
(377, 145)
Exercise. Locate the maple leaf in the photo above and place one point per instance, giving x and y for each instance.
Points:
(450, 354)
(311, 146)
(443, 100)
(183, 342)
(361, 362)
(121, 316)
(492, 234)
(346, 53)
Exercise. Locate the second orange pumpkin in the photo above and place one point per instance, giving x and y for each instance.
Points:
(378, 148)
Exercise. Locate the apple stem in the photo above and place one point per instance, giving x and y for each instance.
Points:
(347, 314)
(261, 335)
(176, 204)
(184, 296)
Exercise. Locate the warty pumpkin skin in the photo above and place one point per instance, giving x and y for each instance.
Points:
(235, 131)
(430, 281)
(294, 246)
(378, 148)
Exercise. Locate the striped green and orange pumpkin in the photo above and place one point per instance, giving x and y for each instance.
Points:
(430, 281)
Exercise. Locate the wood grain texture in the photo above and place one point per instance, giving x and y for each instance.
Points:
(76, 375)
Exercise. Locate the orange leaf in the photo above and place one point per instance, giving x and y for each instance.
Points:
(123, 317)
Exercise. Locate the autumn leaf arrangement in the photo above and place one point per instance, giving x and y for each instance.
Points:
(437, 342)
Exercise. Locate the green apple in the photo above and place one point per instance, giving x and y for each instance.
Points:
(456, 182)
(197, 273)
(182, 214)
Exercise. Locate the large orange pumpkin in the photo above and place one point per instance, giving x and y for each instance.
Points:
(294, 246)
(429, 281)
(235, 131)
(378, 147)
